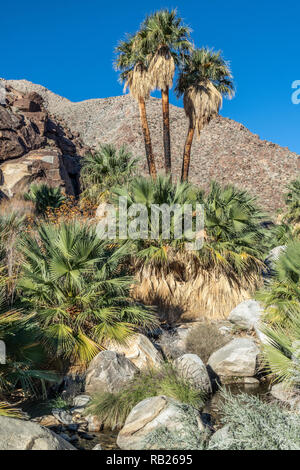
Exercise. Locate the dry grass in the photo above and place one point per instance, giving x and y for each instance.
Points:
(205, 339)
(184, 295)
(16, 204)
(201, 104)
(162, 69)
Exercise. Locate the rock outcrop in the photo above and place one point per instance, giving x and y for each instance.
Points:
(191, 368)
(108, 372)
(246, 315)
(150, 415)
(139, 350)
(17, 434)
(236, 359)
(35, 146)
(226, 151)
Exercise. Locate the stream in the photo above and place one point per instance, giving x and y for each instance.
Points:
(108, 438)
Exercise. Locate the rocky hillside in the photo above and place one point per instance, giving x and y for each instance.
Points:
(226, 151)
(35, 146)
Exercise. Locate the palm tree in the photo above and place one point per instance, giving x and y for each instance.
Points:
(44, 197)
(104, 169)
(282, 351)
(210, 281)
(281, 296)
(164, 37)
(292, 200)
(132, 62)
(78, 289)
(24, 355)
(204, 78)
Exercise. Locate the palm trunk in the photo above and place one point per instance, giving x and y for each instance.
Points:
(187, 154)
(166, 130)
(147, 139)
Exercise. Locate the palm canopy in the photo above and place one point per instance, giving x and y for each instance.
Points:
(44, 197)
(132, 62)
(235, 238)
(105, 168)
(164, 36)
(282, 294)
(204, 78)
(78, 288)
(292, 200)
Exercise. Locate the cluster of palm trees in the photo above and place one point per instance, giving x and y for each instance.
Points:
(147, 61)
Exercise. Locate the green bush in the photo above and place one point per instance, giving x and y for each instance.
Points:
(44, 197)
(113, 408)
(76, 288)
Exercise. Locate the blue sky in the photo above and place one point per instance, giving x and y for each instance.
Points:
(67, 46)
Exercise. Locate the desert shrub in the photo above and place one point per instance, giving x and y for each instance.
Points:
(256, 425)
(113, 408)
(185, 438)
(44, 197)
(104, 169)
(205, 339)
(292, 200)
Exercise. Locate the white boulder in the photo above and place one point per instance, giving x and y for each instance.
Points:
(192, 368)
(17, 434)
(108, 372)
(149, 415)
(139, 350)
(247, 314)
(236, 359)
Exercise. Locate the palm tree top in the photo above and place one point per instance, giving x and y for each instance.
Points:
(202, 66)
(165, 28)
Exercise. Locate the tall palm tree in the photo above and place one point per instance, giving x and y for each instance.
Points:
(165, 37)
(132, 62)
(204, 78)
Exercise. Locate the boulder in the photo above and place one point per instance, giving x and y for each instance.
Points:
(236, 359)
(281, 392)
(34, 147)
(151, 414)
(247, 314)
(16, 434)
(273, 257)
(62, 416)
(139, 350)
(109, 371)
(79, 403)
(97, 447)
(94, 423)
(191, 367)
(221, 435)
(81, 400)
